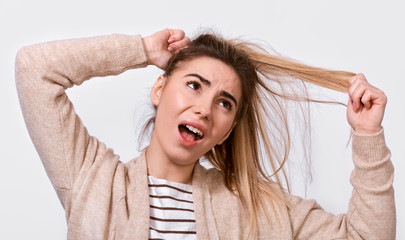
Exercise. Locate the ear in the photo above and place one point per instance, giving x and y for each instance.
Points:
(227, 134)
(157, 89)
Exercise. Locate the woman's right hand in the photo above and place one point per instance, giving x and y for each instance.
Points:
(161, 46)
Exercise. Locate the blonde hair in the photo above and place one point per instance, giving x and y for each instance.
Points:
(261, 136)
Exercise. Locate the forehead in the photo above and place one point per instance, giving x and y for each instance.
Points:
(220, 75)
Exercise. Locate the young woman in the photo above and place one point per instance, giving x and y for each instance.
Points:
(210, 102)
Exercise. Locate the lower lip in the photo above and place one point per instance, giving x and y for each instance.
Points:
(185, 142)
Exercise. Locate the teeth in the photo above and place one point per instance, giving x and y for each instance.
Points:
(194, 130)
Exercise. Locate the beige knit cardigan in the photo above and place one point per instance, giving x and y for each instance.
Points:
(107, 199)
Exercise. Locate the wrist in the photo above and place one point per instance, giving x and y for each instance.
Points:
(367, 131)
(147, 45)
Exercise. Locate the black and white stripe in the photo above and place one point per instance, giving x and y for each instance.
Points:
(171, 210)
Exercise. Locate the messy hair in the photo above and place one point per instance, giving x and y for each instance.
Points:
(252, 158)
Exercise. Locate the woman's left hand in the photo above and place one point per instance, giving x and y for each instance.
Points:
(366, 106)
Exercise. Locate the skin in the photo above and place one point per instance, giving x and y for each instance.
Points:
(167, 158)
(197, 93)
(366, 106)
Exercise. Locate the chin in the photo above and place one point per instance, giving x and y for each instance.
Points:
(183, 157)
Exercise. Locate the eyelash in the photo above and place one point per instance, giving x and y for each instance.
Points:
(196, 86)
(229, 105)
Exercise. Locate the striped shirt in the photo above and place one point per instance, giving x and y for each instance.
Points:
(171, 210)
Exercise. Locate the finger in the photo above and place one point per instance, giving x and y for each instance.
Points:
(178, 45)
(352, 88)
(183, 45)
(374, 96)
(370, 96)
(175, 35)
(356, 91)
(365, 94)
(357, 87)
(357, 78)
(367, 99)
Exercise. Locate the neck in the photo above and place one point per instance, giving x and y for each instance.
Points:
(161, 166)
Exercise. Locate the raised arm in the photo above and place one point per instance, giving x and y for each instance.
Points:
(45, 71)
(371, 213)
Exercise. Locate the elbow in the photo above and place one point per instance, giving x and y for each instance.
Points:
(25, 69)
(22, 56)
(21, 63)
(27, 65)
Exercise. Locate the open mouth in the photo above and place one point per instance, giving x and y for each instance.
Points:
(190, 133)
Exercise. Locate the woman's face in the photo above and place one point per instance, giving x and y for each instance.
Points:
(196, 108)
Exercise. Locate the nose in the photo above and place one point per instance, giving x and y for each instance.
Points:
(203, 110)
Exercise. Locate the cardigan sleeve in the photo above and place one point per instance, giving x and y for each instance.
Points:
(371, 213)
(43, 73)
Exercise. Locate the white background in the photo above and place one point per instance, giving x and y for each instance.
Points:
(357, 36)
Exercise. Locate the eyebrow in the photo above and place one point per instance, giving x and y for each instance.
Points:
(208, 84)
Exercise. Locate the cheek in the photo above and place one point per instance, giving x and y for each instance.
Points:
(172, 103)
(224, 124)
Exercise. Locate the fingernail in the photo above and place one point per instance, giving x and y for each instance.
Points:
(170, 40)
(169, 49)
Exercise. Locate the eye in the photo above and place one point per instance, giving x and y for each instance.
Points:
(226, 104)
(194, 85)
